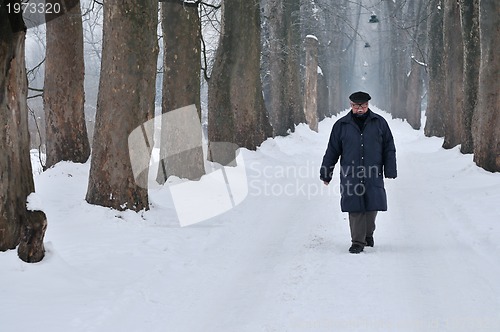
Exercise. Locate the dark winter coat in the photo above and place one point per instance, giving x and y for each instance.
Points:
(365, 156)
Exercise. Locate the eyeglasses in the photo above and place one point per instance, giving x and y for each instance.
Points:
(358, 106)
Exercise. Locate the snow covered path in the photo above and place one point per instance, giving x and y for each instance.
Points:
(276, 262)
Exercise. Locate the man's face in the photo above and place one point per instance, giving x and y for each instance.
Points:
(359, 108)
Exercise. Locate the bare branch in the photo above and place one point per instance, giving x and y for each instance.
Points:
(35, 96)
(36, 67)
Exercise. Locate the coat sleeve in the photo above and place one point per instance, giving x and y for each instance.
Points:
(332, 154)
(390, 169)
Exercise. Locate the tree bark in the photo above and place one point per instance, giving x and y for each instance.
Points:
(333, 60)
(434, 125)
(15, 164)
(31, 248)
(322, 101)
(292, 77)
(413, 98)
(181, 87)
(469, 13)
(486, 128)
(236, 111)
(284, 83)
(276, 68)
(414, 79)
(384, 51)
(64, 96)
(398, 66)
(452, 103)
(311, 83)
(125, 102)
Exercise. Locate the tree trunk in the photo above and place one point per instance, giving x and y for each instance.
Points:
(398, 66)
(413, 98)
(452, 103)
(64, 96)
(348, 71)
(280, 121)
(15, 164)
(322, 101)
(284, 83)
(414, 86)
(334, 61)
(292, 79)
(236, 111)
(384, 51)
(181, 87)
(469, 12)
(434, 125)
(125, 102)
(31, 248)
(311, 83)
(486, 128)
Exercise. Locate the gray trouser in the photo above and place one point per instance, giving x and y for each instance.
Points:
(362, 225)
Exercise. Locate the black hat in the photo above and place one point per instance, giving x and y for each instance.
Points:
(359, 97)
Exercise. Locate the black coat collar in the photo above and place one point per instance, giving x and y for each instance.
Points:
(348, 117)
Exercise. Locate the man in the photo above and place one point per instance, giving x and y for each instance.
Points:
(364, 143)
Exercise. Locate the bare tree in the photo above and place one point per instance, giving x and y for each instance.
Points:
(452, 101)
(92, 27)
(236, 111)
(210, 14)
(311, 83)
(64, 95)
(487, 117)
(469, 13)
(180, 23)
(125, 101)
(332, 57)
(337, 26)
(398, 59)
(434, 125)
(284, 95)
(414, 78)
(92, 17)
(15, 164)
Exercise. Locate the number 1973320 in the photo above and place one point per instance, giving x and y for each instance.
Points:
(27, 7)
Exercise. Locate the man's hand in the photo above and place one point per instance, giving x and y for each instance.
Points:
(326, 183)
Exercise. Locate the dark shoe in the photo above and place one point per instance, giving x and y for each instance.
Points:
(356, 248)
(369, 241)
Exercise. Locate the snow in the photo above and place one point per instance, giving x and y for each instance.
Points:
(277, 261)
(312, 37)
(419, 62)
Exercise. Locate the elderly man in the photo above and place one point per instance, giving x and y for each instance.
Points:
(364, 143)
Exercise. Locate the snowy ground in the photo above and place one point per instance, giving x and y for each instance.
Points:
(276, 262)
